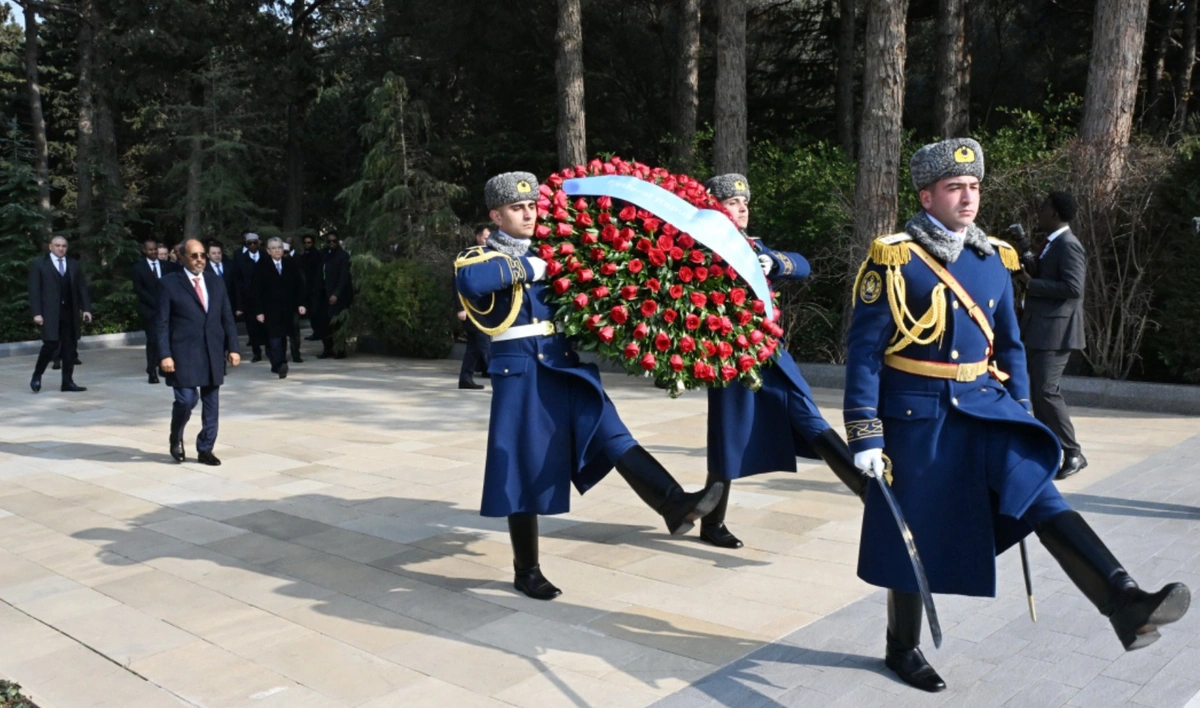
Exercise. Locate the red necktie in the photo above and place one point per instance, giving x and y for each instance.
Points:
(200, 293)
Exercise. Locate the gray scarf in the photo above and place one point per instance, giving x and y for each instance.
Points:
(944, 246)
(509, 246)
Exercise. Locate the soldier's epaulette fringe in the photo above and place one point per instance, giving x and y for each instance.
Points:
(1008, 254)
(890, 250)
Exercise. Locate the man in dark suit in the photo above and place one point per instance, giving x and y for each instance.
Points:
(1052, 323)
(217, 264)
(57, 296)
(196, 336)
(247, 262)
(279, 298)
(337, 293)
(147, 271)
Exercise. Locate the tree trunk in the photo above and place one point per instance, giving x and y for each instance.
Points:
(729, 139)
(85, 125)
(568, 68)
(844, 97)
(951, 107)
(1118, 33)
(1183, 79)
(686, 102)
(293, 210)
(191, 217)
(106, 132)
(36, 118)
(1157, 63)
(875, 192)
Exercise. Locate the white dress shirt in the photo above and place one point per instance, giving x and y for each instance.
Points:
(154, 267)
(1050, 239)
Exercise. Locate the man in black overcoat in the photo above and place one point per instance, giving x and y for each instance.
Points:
(246, 262)
(58, 296)
(337, 293)
(147, 271)
(196, 336)
(279, 298)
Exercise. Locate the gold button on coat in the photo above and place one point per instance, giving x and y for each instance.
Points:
(955, 304)
(954, 354)
(991, 303)
(541, 356)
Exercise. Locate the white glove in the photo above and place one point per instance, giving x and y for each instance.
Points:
(870, 462)
(538, 268)
(767, 264)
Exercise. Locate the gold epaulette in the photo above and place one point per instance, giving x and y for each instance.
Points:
(890, 250)
(1008, 254)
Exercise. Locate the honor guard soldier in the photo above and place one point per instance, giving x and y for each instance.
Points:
(551, 423)
(936, 379)
(750, 432)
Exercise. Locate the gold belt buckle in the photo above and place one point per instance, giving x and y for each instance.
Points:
(548, 328)
(966, 373)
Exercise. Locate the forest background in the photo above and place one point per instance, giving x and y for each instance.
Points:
(381, 119)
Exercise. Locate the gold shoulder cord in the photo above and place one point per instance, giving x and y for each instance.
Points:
(478, 255)
(1008, 254)
(892, 252)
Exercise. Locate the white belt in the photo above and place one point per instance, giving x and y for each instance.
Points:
(541, 329)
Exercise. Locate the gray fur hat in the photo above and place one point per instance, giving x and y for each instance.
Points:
(949, 158)
(509, 188)
(725, 186)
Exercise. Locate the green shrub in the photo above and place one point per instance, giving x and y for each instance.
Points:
(10, 696)
(405, 304)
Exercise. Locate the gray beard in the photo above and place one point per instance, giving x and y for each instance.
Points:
(944, 246)
(509, 246)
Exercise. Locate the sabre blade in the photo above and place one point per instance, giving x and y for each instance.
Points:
(935, 627)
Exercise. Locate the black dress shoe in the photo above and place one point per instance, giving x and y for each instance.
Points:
(719, 536)
(1071, 465)
(205, 457)
(56, 365)
(911, 667)
(484, 374)
(534, 584)
(324, 355)
(297, 359)
(152, 378)
(470, 385)
(36, 384)
(283, 369)
(256, 358)
(1138, 620)
(177, 453)
(78, 362)
(72, 387)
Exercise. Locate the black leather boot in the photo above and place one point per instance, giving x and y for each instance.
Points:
(655, 485)
(904, 656)
(523, 531)
(712, 527)
(833, 450)
(1134, 613)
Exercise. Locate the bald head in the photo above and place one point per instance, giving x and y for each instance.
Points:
(194, 256)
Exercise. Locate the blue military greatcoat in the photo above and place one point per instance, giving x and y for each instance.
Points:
(748, 431)
(551, 423)
(968, 456)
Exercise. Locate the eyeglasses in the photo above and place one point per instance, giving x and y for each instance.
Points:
(196, 256)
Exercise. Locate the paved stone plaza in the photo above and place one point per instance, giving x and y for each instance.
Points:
(337, 559)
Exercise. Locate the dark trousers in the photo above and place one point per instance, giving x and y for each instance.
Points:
(257, 332)
(294, 337)
(1045, 372)
(181, 412)
(276, 352)
(64, 346)
(152, 358)
(478, 352)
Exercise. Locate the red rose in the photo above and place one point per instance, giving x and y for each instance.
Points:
(684, 241)
(715, 272)
(737, 296)
(562, 285)
(543, 231)
(580, 171)
(756, 337)
(607, 269)
(709, 348)
(649, 307)
(628, 234)
(634, 266)
(643, 245)
(597, 254)
(586, 274)
(758, 307)
(555, 180)
(691, 321)
(641, 330)
(665, 242)
(685, 274)
(600, 292)
(698, 299)
(676, 363)
(713, 323)
(677, 254)
(716, 258)
(696, 257)
(725, 350)
(675, 291)
(545, 251)
(564, 230)
(629, 292)
(581, 204)
(618, 314)
(620, 244)
(573, 265)
(560, 198)
(742, 342)
(731, 272)
(656, 257)
(589, 238)
(583, 219)
(745, 362)
(606, 335)
(726, 326)
(651, 224)
(565, 249)
(764, 354)
(662, 341)
(628, 213)
(631, 350)
(686, 344)
(701, 274)
(744, 317)
(668, 232)
(604, 218)
(718, 299)
(670, 315)
(561, 214)
(653, 285)
(553, 268)
(728, 373)
(581, 301)
(649, 363)
(592, 322)
(608, 233)
(604, 202)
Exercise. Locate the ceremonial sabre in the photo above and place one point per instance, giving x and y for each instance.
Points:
(935, 627)
(1028, 580)
(708, 226)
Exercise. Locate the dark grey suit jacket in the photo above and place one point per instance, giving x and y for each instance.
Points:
(48, 290)
(1053, 317)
